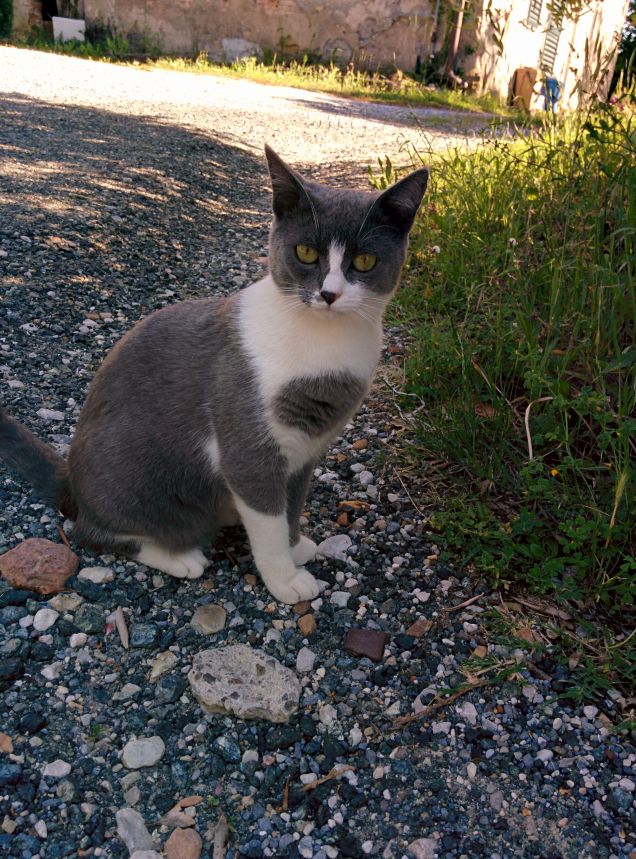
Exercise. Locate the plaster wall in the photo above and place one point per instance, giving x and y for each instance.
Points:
(576, 58)
(371, 32)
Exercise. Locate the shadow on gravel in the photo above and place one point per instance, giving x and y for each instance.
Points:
(427, 119)
(103, 214)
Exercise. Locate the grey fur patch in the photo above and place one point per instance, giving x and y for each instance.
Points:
(138, 463)
(319, 404)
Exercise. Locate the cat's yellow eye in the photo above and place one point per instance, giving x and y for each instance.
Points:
(364, 262)
(306, 253)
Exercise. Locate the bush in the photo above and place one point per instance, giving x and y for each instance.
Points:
(6, 18)
(522, 299)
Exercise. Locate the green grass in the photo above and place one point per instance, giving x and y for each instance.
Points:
(521, 299)
(303, 73)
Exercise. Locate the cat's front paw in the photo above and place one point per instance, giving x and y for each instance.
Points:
(304, 551)
(301, 586)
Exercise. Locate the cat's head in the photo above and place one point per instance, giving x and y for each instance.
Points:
(339, 250)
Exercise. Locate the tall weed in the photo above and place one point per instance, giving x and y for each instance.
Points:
(522, 302)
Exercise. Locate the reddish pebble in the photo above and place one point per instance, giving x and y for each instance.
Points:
(366, 642)
(39, 565)
(183, 844)
(302, 607)
(419, 628)
(360, 444)
(307, 624)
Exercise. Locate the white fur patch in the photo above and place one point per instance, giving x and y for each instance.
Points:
(350, 295)
(286, 339)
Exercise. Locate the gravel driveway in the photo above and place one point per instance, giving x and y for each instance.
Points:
(122, 190)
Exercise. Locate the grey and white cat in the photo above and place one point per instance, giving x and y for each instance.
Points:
(214, 407)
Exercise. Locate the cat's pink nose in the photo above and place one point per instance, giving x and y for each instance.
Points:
(329, 297)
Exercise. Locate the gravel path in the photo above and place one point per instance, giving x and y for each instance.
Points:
(122, 190)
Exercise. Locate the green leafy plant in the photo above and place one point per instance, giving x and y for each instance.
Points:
(521, 299)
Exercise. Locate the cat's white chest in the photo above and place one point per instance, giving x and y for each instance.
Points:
(287, 342)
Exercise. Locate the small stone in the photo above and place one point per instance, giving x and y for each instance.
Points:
(50, 415)
(335, 547)
(244, 682)
(52, 671)
(365, 478)
(327, 714)
(627, 784)
(41, 830)
(471, 770)
(480, 651)
(183, 844)
(145, 752)
(89, 618)
(468, 712)
(208, 619)
(97, 575)
(32, 722)
(56, 769)
(419, 628)
(307, 625)
(144, 635)
(423, 848)
(6, 743)
(340, 598)
(39, 565)
(545, 755)
(302, 607)
(366, 642)
(360, 444)
(590, 712)
(163, 663)
(441, 727)
(65, 602)
(78, 639)
(530, 692)
(305, 847)
(228, 749)
(146, 854)
(305, 659)
(11, 668)
(131, 828)
(9, 774)
(44, 619)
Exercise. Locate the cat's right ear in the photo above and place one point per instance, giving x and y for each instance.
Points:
(288, 191)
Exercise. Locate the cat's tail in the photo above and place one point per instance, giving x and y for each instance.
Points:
(37, 463)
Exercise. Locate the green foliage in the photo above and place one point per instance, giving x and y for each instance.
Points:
(6, 18)
(521, 297)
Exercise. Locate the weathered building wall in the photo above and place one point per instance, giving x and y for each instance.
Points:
(371, 32)
(26, 15)
(524, 42)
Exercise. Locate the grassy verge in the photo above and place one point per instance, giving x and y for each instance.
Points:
(331, 78)
(521, 298)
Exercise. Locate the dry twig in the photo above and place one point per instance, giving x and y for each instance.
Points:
(333, 773)
(465, 603)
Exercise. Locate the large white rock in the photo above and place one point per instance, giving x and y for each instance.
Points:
(244, 682)
(145, 752)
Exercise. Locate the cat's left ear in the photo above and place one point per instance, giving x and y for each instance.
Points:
(287, 188)
(400, 202)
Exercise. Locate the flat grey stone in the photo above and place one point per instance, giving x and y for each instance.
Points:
(335, 547)
(145, 752)
(131, 828)
(244, 682)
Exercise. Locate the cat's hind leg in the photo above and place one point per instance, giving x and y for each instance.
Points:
(182, 565)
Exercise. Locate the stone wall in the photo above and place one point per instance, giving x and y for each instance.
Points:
(373, 33)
